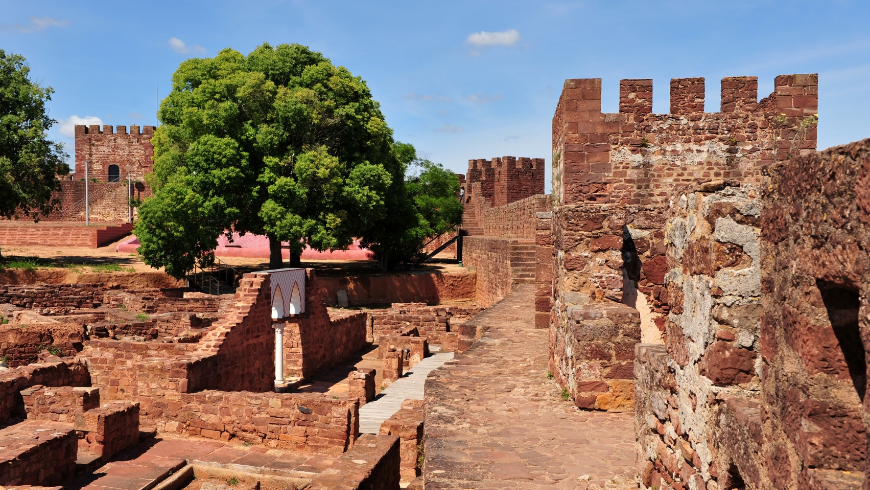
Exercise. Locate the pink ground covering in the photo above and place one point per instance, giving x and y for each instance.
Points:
(257, 246)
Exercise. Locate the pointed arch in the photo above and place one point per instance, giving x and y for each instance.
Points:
(295, 300)
(278, 304)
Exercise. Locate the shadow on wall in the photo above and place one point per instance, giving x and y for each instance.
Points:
(432, 288)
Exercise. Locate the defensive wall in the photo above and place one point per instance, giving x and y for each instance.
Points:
(101, 148)
(614, 176)
(502, 200)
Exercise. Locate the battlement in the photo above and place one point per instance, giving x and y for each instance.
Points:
(794, 95)
(112, 151)
(504, 162)
(506, 179)
(135, 130)
(636, 157)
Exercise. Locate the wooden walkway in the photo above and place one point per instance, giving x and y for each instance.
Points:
(409, 387)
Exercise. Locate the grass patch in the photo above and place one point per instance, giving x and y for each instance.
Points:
(565, 395)
(233, 481)
(141, 317)
(110, 268)
(3, 320)
(20, 263)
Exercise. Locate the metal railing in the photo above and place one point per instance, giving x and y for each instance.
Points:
(216, 279)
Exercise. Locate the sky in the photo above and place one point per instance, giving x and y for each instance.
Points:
(458, 80)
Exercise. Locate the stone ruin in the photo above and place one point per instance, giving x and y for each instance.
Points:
(703, 270)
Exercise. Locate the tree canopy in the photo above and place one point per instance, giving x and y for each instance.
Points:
(29, 162)
(279, 142)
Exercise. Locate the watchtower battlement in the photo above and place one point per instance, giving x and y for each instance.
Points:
(507, 179)
(636, 157)
(112, 152)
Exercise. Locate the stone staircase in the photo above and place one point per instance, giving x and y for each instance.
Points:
(522, 257)
(471, 222)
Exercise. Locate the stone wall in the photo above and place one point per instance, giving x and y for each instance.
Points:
(432, 288)
(709, 370)
(544, 259)
(107, 202)
(39, 234)
(762, 381)
(499, 263)
(12, 381)
(103, 146)
(432, 322)
(515, 220)
(614, 175)
(815, 295)
(298, 421)
(21, 344)
(37, 454)
(313, 341)
(371, 464)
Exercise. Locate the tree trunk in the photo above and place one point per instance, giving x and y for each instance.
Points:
(275, 259)
(295, 259)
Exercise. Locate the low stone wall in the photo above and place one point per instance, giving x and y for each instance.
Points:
(499, 264)
(544, 261)
(407, 424)
(54, 299)
(39, 234)
(162, 301)
(432, 322)
(21, 344)
(592, 356)
(298, 421)
(37, 453)
(431, 288)
(372, 464)
(12, 381)
(515, 220)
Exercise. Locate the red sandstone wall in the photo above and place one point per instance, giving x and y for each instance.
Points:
(45, 234)
(21, 344)
(635, 157)
(507, 179)
(432, 288)
(544, 261)
(73, 373)
(313, 341)
(297, 421)
(243, 341)
(499, 263)
(517, 219)
(106, 146)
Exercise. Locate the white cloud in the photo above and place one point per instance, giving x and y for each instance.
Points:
(483, 99)
(180, 46)
(426, 98)
(135, 115)
(504, 38)
(67, 127)
(36, 24)
(449, 128)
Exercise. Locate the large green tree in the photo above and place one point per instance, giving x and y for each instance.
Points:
(29, 162)
(423, 204)
(279, 142)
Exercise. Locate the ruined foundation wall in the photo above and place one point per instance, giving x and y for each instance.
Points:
(297, 421)
(62, 373)
(313, 341)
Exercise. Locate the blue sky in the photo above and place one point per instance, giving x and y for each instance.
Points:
(459, 80)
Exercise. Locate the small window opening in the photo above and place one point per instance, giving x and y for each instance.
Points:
(114, 173)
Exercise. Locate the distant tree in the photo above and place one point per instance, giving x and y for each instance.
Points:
(422, 205)
(29, 162)
(280, 143)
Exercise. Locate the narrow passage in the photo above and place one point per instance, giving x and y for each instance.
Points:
(495, 420)
(410, 387)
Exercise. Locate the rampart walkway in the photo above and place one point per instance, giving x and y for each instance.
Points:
(494, 420)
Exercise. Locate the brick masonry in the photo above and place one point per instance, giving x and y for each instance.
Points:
(70, 235)
(104, 146)
(614, 176)
(372, 464)
(37, 453)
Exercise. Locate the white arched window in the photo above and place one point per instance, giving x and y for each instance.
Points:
(295, 300)
(278, 304)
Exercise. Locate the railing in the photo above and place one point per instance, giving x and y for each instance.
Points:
(216, 279)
